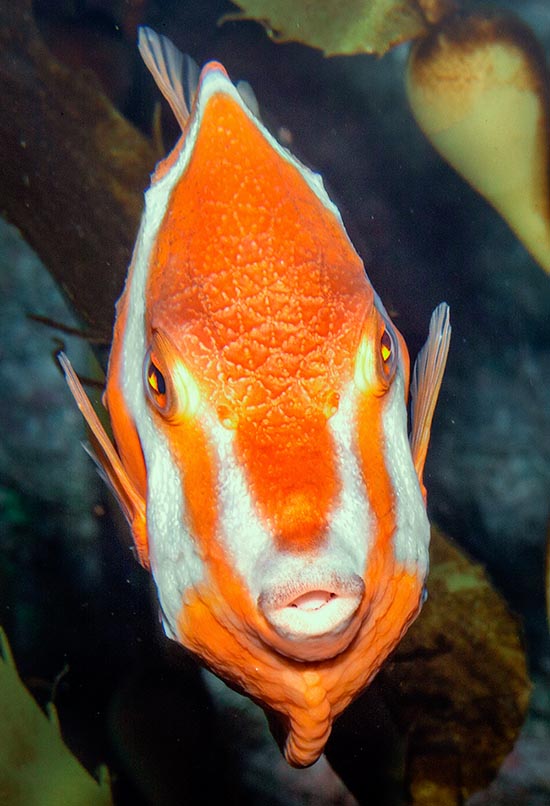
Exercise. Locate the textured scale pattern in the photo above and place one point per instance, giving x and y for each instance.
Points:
(272, 361)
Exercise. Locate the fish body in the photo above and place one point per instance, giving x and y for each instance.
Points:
(257, 391)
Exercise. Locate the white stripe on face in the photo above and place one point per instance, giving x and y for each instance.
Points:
(412, 535)
(351, 523)
(242, 532)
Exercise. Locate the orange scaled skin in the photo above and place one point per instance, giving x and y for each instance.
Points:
(255, 284)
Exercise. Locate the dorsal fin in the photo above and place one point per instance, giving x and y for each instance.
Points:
(426, 383)
(249, 97)
(176, 74)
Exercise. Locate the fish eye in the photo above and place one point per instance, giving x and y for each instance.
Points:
(388, 353)
(169, 386)
(386, 346)
(377, 359)
(156, 385)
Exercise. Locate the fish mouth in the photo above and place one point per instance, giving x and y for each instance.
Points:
(312, 612)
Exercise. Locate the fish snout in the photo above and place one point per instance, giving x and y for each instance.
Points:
(312, 609)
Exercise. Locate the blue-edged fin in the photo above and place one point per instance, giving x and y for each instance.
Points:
(176, 74)
(426, 383)
(104, 453)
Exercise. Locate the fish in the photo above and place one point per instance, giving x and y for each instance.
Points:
(258, 396)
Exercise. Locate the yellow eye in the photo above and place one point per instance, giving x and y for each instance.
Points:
(388, 353)
(169, 386)
(386, 347)
(156, 384)
(376, 359)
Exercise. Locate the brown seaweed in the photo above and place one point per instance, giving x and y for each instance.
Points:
(347, 27)
(460, 681)
(446, 708)
(73, 169)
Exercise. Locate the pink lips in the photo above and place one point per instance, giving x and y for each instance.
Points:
(309, 609)
(312, 600)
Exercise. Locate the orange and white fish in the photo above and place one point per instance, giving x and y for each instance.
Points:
(257, 392)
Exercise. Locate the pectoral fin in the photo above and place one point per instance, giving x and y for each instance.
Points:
(426, 383)
(108, 461)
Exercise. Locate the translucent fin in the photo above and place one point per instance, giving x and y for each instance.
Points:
(249, 97)
(94, 451)
(176, 75)
(5, 650)
(190, 78)
(426, 383)
(104, 455)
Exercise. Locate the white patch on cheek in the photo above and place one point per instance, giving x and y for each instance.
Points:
(175, 562)
(412, 537)
(351, 523)
(242, 532)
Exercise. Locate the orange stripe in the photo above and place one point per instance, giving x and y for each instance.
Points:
(292, 477)
(124, 430)
(378, 483)
(195, 461)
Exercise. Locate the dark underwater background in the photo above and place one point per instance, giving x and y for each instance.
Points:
(79, 612)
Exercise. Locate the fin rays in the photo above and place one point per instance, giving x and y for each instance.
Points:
(104, 454)
(176, 75)
(426, 383)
